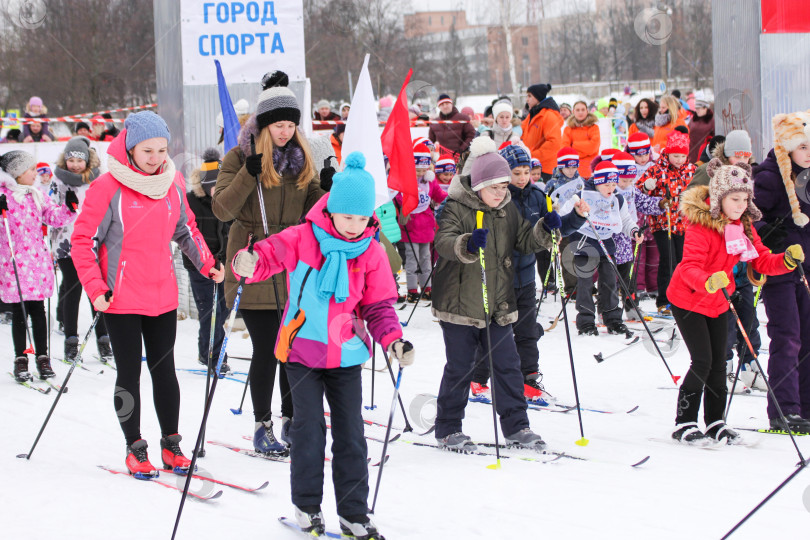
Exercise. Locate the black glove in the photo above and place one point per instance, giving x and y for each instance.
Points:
(773, 237)
(552, 221)
(71, 200)
(477, 240)
(326, 175)
(3, 203)
(254, 164)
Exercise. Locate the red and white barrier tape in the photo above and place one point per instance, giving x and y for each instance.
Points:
(316, 123)
(78, 117)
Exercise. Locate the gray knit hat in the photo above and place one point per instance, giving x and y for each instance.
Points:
(145, 125)
(16, 162)
(78, 147)
(489, 169)
(737, 141)
(276, 102)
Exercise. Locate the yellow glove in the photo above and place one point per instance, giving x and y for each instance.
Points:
(717, 281)
(793, 256)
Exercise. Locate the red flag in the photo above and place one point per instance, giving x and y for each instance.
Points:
(396, 144)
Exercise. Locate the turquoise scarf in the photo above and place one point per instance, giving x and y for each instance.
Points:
(333, 278)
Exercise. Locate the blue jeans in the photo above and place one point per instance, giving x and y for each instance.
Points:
(745, 309)
(203, 291)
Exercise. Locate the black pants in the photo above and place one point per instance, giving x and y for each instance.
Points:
(70, 296)
(262, 325)
(664, 275)
(35, 309)
(743, 300)
(705, 337)
(624, 272)
(607, 283)
(203, 290)
(527, 332)
(128, 332)
(344, 394)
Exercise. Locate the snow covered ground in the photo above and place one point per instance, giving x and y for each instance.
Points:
(679, 493)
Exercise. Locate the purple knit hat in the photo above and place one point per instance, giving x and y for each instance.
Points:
(489, 169)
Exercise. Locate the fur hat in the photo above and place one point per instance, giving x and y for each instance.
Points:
(726, 179)
(16, 162)
(276, 102)
(353, 188)
(789, 131)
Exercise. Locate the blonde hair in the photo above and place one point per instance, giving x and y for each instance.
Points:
(673, 108)
(270, 177)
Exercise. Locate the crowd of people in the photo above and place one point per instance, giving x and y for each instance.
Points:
(666, 211)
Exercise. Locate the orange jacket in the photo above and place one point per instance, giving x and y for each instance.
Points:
(542, 135)
(336, 146)
(584, 138)
(661, 134)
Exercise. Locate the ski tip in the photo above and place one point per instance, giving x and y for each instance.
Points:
(395, 437)
(237, 412)
(23, 456)
(634, 409)
(216, 495)
(642, 462)
(599, 357)
(582, 442)
(676, 378)
(494, 466)
(266, 483)
(404, 324)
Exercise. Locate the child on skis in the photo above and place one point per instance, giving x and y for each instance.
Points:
(122, 243)
(610, 215)
(667, 178)
(419, 227)
(76, 168)
(458, 303)
(24, 210)
(339, 277)
(720, 233)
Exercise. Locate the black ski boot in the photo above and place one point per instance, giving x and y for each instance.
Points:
(796, 423)
(691, 435)
(44, 367)
(224, 369)
(21, 373)
(618, 327)
(588, 330)
(105, 353)
(71, 348)
(720, 432)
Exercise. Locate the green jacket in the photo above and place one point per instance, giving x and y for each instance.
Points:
(457, 294)
(701, 176)
(387, 215)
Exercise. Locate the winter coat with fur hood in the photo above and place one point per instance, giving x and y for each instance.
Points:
(457, 280)
(235, 199)
(585, 139)
(704, 253)
(64, 180)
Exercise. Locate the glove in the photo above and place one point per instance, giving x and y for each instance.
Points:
(552, 221)
(773, 237)
(326, 175)
(253, 164)
(717, 281)
(793, 256)
(477, 240)
(664, 203)
(71, 200)
(401, 350)
(3, 203)
(244, 263)
(650, 183)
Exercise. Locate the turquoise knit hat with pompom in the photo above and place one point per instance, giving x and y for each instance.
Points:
(352, 189)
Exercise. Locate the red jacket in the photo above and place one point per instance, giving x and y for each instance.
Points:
(670, 183)
(704, 253)
(122, 242)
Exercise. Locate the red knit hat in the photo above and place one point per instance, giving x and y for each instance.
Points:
(445, 164)
(626, 164)
(607, 153)
(677, 143)
(567, 157)
(421, 154)
(638, 144)
(605, 172)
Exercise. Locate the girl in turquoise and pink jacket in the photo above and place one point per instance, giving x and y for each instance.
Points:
(340, 283)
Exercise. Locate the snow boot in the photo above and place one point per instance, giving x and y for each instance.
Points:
(480, 390)
(720, 432)
(310, 519)
(265, 442)
(665, 311)
(752, 377)
(796, 423)
(5, 317)
(21, 373)
(457, 442)
(137, 461)
(618, 327)
(690, 434)
(588, 330)
(413, 296)
(172, 456)
(526, 438)
(71, 348)
(44, 367)
(105, 353)
(224, 369)
(359, 528)
(286, 424)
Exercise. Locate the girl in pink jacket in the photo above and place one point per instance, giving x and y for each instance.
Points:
(122, 243)
(339, 281)
(24, 210)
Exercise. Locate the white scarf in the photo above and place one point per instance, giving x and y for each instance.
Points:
(19, 192)
(154, 186)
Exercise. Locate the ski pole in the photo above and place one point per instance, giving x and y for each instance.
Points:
(479, 224)
(582, 441)
(803, 278)
(408, 426)
(421, 294)
(557, 318)
(632, 302)
(552, 259)
(63, 388)
(669, 241)
(4, 206)
(201, 450)
(739, 356)
(387, 432)
(55, 284)
(210, 396)
(373, 373)
(762, 372)
(599, 358)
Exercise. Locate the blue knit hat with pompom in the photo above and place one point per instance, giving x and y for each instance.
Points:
(352, 189)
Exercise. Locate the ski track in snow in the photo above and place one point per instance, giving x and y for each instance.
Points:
(679, 493)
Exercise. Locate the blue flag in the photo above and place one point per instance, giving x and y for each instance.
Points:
(230, 121)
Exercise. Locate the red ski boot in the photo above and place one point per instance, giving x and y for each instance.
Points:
(173, 458)
(138, 463)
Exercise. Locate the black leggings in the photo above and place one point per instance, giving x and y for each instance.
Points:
(35, 309)
(262, 325)
(70, 296)
(127, 334)
(664, 275)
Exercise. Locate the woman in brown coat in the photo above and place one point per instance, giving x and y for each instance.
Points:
(289, 188)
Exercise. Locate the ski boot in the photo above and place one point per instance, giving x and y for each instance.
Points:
(21, 373)
(588, 330)
(286, 424)
(105, 353)
(413, 296)
(359, 528)
(457, 442)
(795, 423)
(71, 348)
(44, 367)
(426, 293)
(665, 311)
(752, 377)
(138, 463)
(720, 432)
(480, 391)
(618, 327)
(224, 369)
(526, 438)
(689, 433)
(534, 390)
(172, 456)
(310, 519)
(265, 442)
